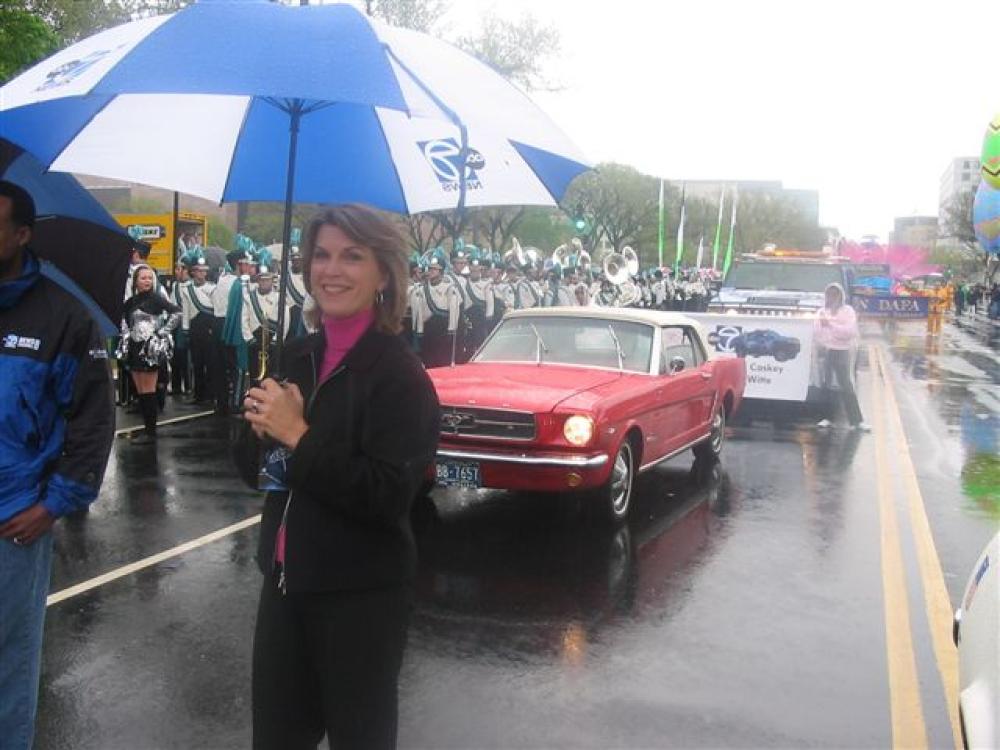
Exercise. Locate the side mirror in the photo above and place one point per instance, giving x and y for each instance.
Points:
(677, 364)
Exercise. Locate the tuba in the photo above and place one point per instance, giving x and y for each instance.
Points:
(515, 254)
(615, 268)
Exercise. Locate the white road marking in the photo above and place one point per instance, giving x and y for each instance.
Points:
(174, 420)
(114, 575)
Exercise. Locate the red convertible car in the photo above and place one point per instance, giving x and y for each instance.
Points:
(563, 398)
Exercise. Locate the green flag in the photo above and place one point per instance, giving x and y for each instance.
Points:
(661, 224)
(732, 231)
(718, 230)
(680, 231)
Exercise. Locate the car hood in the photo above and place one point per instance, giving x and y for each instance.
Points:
(530, 388)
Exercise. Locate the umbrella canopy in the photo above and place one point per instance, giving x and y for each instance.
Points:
(381, 115)
(87, 250)
(341, 108)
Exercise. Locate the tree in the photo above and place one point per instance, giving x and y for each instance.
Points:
(765, 217)
(423, 230)
(616, 201)
(515, 49)
(419, 15)
(958, 218)
(72, 20)
(24, 40)
(220, 235)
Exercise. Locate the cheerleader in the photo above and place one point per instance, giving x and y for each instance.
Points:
(147, 343)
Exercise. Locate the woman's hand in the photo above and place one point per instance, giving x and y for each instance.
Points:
(276, 411)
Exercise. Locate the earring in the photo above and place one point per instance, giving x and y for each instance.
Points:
(379, 297)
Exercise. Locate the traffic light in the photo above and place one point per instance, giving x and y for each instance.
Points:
(579, 220)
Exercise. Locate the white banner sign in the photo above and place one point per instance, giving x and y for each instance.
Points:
(778, 351)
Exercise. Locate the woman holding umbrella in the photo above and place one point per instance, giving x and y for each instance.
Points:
(336, 547)
(146, 345)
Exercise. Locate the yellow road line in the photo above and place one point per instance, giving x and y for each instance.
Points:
(937, 602)
(125, 570)
(908, 727)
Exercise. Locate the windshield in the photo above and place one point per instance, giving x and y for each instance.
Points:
(791, 277)
(571, 341)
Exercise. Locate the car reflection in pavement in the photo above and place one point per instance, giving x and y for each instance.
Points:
(503, 577)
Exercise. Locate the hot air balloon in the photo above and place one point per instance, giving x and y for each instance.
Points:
(990, 160)
(986, 217)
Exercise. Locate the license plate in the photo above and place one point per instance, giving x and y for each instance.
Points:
(459, 474)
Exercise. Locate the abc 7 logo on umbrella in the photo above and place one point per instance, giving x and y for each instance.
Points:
(444, 157)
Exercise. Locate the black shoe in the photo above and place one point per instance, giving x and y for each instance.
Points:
(144, 438)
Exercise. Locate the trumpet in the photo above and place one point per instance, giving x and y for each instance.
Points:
(262, 358)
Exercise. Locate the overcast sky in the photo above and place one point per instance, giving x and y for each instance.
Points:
(864, 101)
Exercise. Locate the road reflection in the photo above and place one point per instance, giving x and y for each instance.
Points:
(510, 575)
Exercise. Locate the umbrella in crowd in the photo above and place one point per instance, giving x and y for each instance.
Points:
(81, 246)
(340, 107)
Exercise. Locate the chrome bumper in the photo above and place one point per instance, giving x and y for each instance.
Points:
(564, 462)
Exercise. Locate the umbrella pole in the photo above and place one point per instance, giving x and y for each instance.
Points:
(295, 115)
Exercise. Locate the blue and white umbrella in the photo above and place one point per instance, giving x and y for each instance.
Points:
(212, 100)
(253, 100)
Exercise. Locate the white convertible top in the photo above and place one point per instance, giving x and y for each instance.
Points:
(631, 314)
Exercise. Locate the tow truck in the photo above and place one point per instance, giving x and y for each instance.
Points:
(779, 281)
(765, 311)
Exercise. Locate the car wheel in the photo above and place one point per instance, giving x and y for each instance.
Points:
(711, 448)
(616, 493)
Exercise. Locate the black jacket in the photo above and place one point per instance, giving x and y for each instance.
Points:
(373, 431)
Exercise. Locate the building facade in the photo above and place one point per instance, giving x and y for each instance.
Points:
(961, 176)
(915, 231)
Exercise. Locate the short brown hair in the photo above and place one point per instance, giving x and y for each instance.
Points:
(376, 231)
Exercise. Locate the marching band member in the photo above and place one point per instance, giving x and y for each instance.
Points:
(296, 294)
(198, 319)
(260, 312)
(503, 292)
(480, 309)
(180, 363)
(527, 293)
(659, 290)
(437, 308)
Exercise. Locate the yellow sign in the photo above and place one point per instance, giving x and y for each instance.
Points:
(157, 231)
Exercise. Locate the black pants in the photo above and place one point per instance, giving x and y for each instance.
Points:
(436, 343)
(180, 370)
(202, 341)
(837, 364)
(327, 663)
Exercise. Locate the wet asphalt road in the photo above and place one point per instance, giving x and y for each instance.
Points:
(741, 607)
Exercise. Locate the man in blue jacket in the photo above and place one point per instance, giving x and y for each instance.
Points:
(56, 429)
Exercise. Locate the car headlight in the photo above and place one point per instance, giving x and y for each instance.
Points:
(578, 430)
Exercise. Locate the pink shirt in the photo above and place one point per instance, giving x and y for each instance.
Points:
(842, 331)
(341, 335)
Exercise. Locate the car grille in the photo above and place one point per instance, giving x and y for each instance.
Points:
(487, 423)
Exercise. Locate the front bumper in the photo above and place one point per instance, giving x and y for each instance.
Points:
(542, 471)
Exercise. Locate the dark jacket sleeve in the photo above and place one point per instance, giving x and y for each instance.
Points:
(82, 381)
(398, 440)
